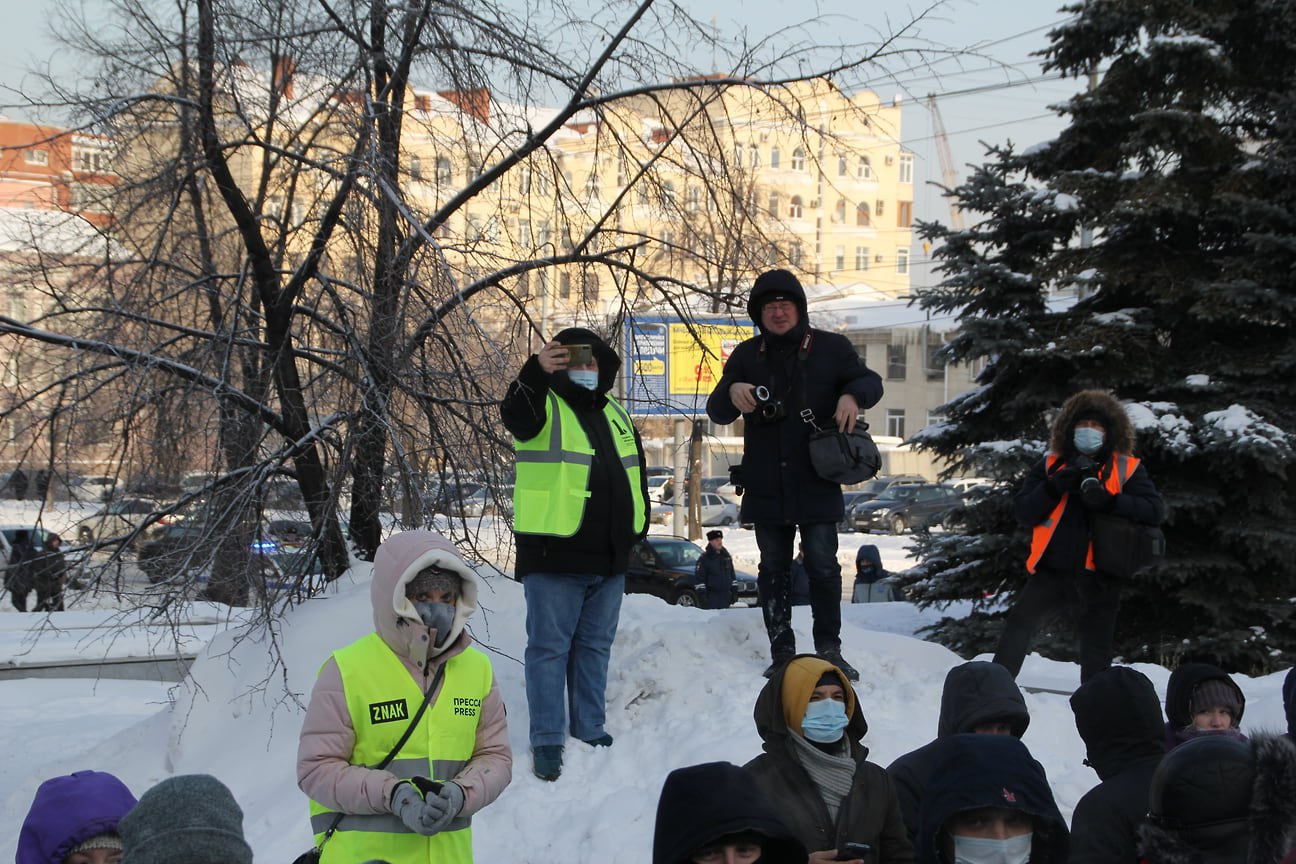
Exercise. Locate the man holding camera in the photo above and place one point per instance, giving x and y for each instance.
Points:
(579, 505)
(1091, 469)
(771, 379)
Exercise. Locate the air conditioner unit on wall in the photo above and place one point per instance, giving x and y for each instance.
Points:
(890, 160)
(814, 203)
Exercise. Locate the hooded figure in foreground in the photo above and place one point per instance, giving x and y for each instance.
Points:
(74, 819)
(457, 759)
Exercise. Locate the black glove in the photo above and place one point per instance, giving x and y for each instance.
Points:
(1063, 480)
(1096, 497)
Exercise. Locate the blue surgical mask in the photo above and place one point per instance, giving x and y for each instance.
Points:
(982, 850)
(438, 617)
(587, 378)
(1087, 440)
(824, 721)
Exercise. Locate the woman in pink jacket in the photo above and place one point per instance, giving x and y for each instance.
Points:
(388, 777)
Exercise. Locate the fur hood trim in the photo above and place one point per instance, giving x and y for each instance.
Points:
(1120, 432)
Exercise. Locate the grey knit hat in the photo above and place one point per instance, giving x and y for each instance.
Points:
(191, 818)
(432, 578)
(1212, 692)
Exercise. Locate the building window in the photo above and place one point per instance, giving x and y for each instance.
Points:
(902, 260)
(906, 167)
(754, 156)
(794, 209)
(895, 362)
(774, 157)
(840, 258)
(524, 284)
(564, 287)
(798, 159)
(36, 157)
(668, 195)
(862, 215)
(593, 187)
(839, 212)
(524, 234)
(935, 363)
(444, 176)
(880, 207)
(416, 168)
(795, 254)
(895, 422)
(589, 287)
(904, 214)
(773, 205)
(861, 258)
(864, 168)
(738, 155)
(841, 165)
(694, 198)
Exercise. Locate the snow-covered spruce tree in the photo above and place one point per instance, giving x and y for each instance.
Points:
(1180, 161)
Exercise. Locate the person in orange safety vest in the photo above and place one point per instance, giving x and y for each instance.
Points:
(1091, 469)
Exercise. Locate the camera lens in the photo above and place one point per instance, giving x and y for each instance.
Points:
(1088, 483)
(762, 393)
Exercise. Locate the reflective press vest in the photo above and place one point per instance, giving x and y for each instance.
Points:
(553, 471)
(1118, 471)
(382, 697)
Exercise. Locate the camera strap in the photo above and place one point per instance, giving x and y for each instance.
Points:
(798, 372)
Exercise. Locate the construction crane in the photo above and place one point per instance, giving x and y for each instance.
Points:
(949, 177)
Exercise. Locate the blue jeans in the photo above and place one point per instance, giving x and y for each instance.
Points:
(570, 623)
(773, 578)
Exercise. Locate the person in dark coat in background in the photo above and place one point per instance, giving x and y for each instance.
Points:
(18, 575)
(989, 781)
(49, 575)
(73, 820)
(705, 808)
(800, 368)
(715, 570)
(1202, 699)
(1090, 469)
(869, 573)
(1289, 702)
(1218, 800)
(978, 697)
(815, 768)
(1118, 714)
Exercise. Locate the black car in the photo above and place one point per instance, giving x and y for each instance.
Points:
(175, 550)
(664, 567)
(900, 508)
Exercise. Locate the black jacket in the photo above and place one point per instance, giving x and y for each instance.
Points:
(702, 803)
(868, 814)
(1118, 714)
(972, 771)
(602, 544)
(715, 570)
(1289, 702)
(975, 692)
(781, 486)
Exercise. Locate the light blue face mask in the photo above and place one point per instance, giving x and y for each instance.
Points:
(981, 850)
(438, 617)
(587, 378)
(1087, 440)
(824, 721)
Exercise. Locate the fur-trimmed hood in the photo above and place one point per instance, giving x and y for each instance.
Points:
(1119, 430)
(398, 624)
(1270, 823)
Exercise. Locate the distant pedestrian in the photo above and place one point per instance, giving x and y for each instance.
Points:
(19, 483)
(18, 574)
(73, 820)
(49, 575)
(715, 570)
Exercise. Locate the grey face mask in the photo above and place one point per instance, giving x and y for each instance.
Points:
(438, 617)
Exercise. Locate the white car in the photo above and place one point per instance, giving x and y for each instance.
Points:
(715, 511)
(659, 486)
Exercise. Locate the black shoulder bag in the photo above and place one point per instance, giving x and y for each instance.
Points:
(312, 855)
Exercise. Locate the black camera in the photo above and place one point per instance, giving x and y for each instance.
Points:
(1088, 470)
(768, 409)
(735, 477)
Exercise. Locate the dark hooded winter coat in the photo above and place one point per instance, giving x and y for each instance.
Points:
(975, 692)
(868, 814)
(69, 810)
(1178, 702)
(702, 803)
(1118, 714)
(602, 544)
(781, 486)
(1218, 800)
(1289, 702)
(972, 771)
(1138, 500)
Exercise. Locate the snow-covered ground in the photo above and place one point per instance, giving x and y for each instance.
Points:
(681, 690)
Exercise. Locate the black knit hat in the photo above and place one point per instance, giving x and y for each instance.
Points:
(1201, 792)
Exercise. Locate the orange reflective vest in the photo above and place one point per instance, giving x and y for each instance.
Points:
(1118, 471)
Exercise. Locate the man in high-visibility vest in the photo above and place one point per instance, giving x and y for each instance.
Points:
(579, 505)
(1091, 469)
(456, 758)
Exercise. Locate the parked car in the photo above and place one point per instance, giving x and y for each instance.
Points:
(871, 489)
(91, 489)
(118, 519)
(715, 511)
(175, 550)
(900, 508)
(849, 500)
(665, 567)
(722, 487)
(443, 497)
(483, 502)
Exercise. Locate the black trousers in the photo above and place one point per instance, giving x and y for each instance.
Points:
(1089, 598)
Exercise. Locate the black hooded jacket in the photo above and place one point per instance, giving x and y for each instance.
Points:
(702, 803)
(1178, 703)
(975, 692)
(1118, 714)
(1289, 702)
(602, 544)
(974, 771)
(868, 814)
(781, 486)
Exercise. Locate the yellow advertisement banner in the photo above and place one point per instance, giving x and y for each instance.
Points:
(697, 357)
